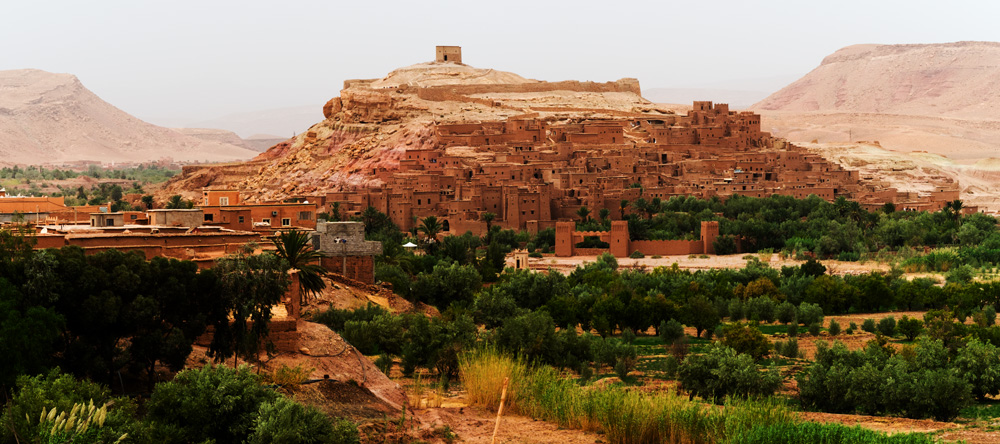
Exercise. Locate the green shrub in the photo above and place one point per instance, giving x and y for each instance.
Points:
(628, 335)
(849, 256)
(793, 329)
(810, 313)
(785, 312)
(873, 382)
(910, 327)
(789, 349)
(737, 311)
(990, 315)
(535, 254)
(724, 244)
(746, 339)
(670, 365)
(384, 363)
(868, 325)
(814, 328)
(285, 421)
(962, 274)
(977, 362)
(212, 403)
(721, 372)
(626, 358)
(761, 309)
(834, 327)
(586, 371)
(637, 255)
(55, 390)
(853, 326)
(671, 331)
(887, 326)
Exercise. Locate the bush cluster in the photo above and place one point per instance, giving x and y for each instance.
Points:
(920, 384)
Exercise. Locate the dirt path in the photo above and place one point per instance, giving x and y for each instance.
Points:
(698, 262)
(947, 431)
(474, 425)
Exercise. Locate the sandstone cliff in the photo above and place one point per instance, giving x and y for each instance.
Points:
(46, 117)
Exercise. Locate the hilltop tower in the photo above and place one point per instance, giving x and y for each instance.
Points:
(449, 54)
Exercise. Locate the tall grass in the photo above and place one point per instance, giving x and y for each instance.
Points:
(627, 417)
(483, 370)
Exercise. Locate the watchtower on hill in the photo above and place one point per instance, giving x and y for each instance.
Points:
(449, 54)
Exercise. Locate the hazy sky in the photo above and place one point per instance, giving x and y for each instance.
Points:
(180, 60)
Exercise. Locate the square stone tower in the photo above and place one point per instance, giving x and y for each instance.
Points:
(449, 54)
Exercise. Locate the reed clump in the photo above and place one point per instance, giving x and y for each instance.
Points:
(635, 417)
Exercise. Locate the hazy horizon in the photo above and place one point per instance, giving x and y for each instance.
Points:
(191, 61)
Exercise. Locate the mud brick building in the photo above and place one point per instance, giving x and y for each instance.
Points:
(345, 250)
(533, 173)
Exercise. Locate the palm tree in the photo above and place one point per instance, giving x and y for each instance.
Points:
(653, 207)
(488, 218)
(640, 205)
(604, 213)
(178, 202)
(583, 212)
(622, 206)
(294, 247)
(430, 227)
(955, 208)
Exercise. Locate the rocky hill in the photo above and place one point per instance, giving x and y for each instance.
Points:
(936, 101)
(959, 80)
(374, 121)
(46, 118)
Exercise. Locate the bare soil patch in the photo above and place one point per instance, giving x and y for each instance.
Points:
(474, 425)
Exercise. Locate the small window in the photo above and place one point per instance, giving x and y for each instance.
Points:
(109, 222)
(305, 215)
(266, 221)
(286, 222)
(209, 217)
(223, 201)
(241, 219)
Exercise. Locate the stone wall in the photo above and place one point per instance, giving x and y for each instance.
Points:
(358, 268)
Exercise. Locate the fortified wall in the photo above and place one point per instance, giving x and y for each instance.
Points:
(620, 246)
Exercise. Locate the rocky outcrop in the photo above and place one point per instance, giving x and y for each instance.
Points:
(373, 122)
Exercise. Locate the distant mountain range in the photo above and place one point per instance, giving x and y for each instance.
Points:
(53, 118)
(956, 80)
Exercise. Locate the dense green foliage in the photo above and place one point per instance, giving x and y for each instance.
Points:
(19, 421)
(211, 404)
(722, 372)
(636, 416)
(875, 381)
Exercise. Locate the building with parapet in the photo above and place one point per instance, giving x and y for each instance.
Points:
(451, 54)
(345, 250)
